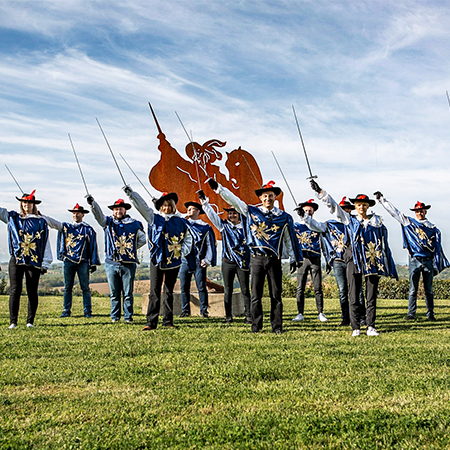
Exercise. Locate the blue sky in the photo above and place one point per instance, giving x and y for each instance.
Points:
(367, 78)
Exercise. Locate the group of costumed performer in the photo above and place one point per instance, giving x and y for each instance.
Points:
(255, 239)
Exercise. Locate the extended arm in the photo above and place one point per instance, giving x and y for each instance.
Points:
(53, 223)
(4, 215)
(394, 212)
(212, 215)
(313, 225)
(97, 213)
(140, 204)
(232, 200)
(334, 207)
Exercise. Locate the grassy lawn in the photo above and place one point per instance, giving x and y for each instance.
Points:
(87, 384)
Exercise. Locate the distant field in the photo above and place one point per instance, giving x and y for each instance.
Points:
(90, 384)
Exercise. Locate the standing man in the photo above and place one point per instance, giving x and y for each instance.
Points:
(123, 237)
(334, 242)
(367, 255)
(169, 239)
(271, 236)
(77, 248)
(235, 256)
(309, 242)
(202, 256)
(422, 239)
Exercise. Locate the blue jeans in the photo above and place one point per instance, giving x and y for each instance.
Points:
(121, 279)
(82, 269)
(340, 273)
(417, 267)
(185, 284)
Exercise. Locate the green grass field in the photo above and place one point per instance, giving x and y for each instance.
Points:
(89, 384)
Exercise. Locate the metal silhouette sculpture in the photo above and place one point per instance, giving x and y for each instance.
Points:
(174, 173)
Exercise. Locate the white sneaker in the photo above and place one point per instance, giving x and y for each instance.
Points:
(30, 325)
(322, 317)
(356, 333)
(372, 332)
(298, 318)
(12, 326)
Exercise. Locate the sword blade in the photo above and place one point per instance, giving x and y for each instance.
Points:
(303, 144)
(193, 149)
(134, 173)
(18, 185)
(284, 178)
(112, 154)
(79, 167)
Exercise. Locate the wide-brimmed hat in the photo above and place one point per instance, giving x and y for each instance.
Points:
(420, 205)
(196, 204)
(29, 198)
(344, 203)
(166, 196)
(120, 203)
(268, 187)
(231, 209)
(309, 202)
(78, 208)
(364, 199)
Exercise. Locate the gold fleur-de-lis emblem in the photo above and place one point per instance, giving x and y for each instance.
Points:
(305, 238)
(123, 245)
(423, 236)
(175, 246)
(373, 253)
(27, 245)
(260, 231)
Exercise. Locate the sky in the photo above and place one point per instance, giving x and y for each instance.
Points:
(368, 80)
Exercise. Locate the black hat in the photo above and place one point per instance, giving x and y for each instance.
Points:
(268, 187)
(309, 202)
(420, 205)
(166, 196)
(231, 209)
(120, 203)
(78, 208)
(29, 198)
(346, 204)
(196, 204)
(364, 199)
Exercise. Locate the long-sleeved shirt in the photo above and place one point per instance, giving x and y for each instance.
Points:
(368, 238)
(103, 221)
(147, 213)
(242, 208)
(47, 257)
(421, 238)
(234, 247)
(76, 241)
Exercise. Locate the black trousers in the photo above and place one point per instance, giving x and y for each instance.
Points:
(354, 288)
(157, 276)
(16, 274)
(260, 267)
(229, 270)
(310, 264)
